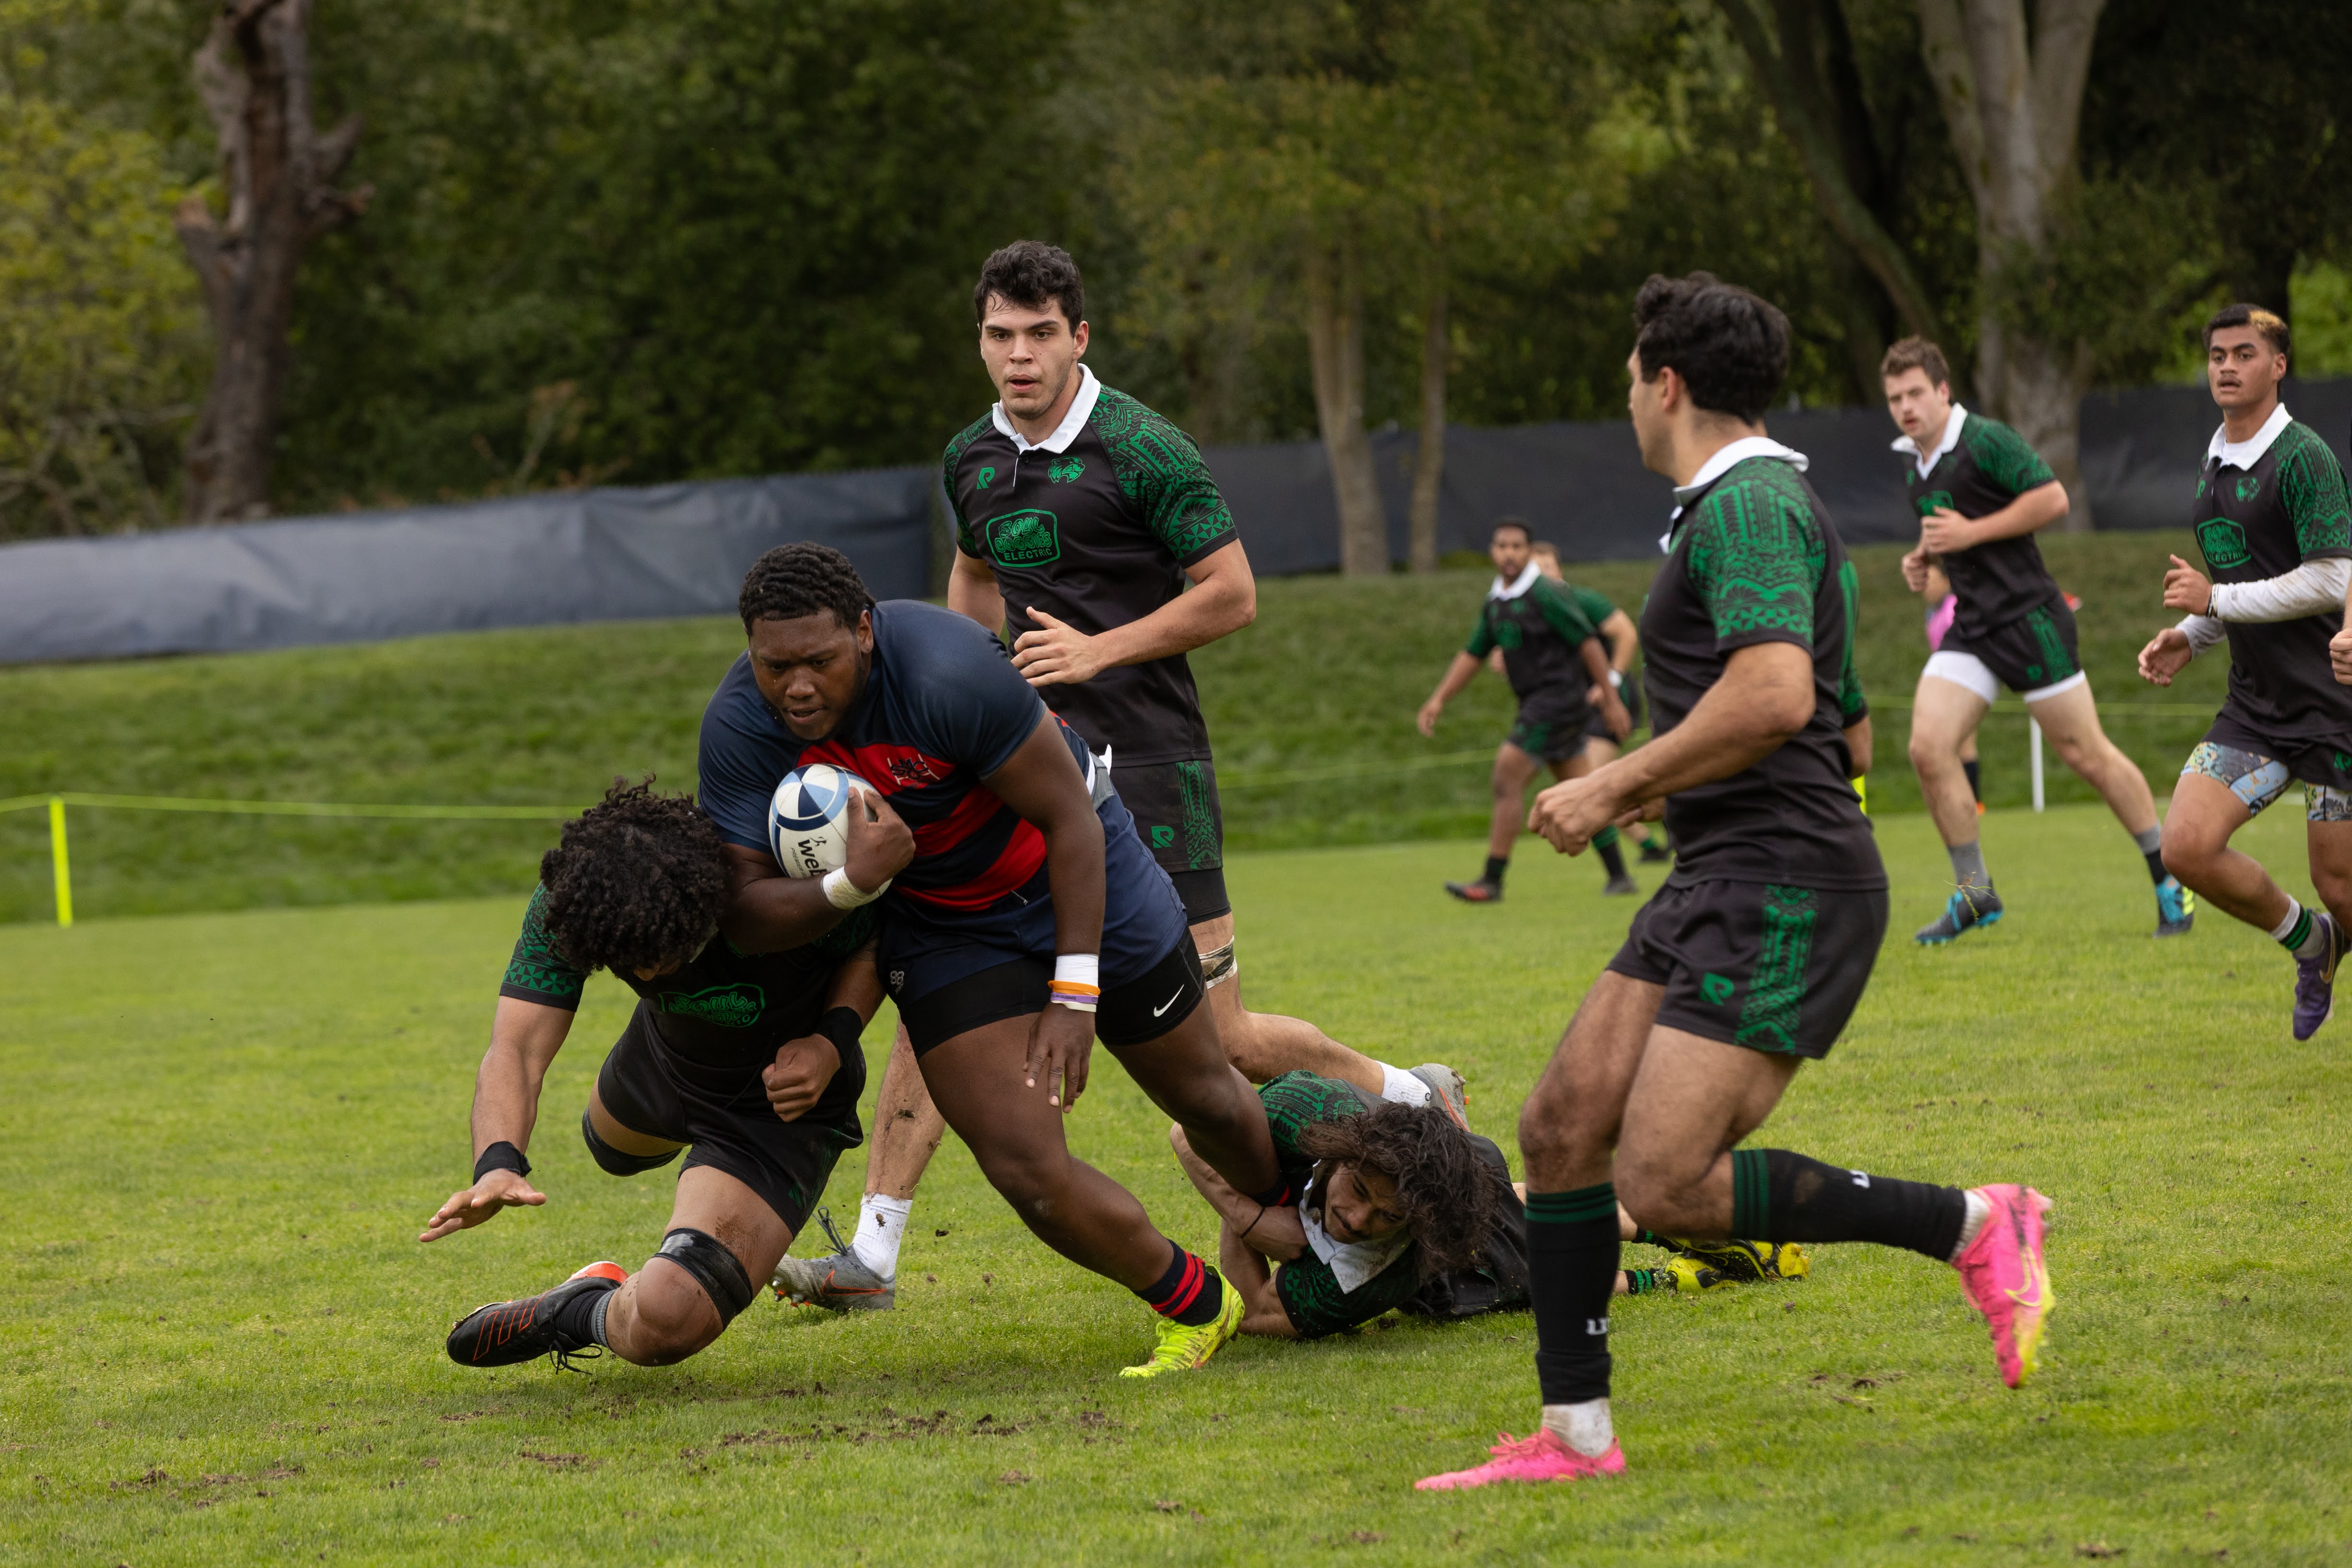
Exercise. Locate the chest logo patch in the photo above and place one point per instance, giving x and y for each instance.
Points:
(912, 771)
(1067, 469)
(1935, 502)
(2248, 486)
(2223, 542)
(1029, 538)
(735, 1007)
(1508, 633)
(986, 474)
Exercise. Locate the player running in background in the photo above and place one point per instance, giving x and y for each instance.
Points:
(1942, 606)
(1399, 1207)
(1029, 923)
(747, 1054)
(2276, 535)
(1556, 663)
(1624, 639)
(1752, 957)
(1081, 516)
(1981, 493)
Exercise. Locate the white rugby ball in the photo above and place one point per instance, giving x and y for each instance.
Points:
(808, 819)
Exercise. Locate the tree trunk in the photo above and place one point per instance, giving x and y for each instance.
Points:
(1335, 337)
(1429, 458)
(254, 76)
(2013, 99)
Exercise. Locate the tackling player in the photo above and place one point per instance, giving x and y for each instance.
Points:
(1981, 493)
(1751, 958)
(748, 1054)
(1091, 526)
(2273, 525)
(1399, 1207)
(1029, 923)
(1558, 667)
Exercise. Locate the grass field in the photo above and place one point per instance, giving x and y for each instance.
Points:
(1311, 709)
(222, 1130)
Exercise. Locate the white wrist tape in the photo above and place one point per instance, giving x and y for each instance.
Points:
(1616, 679)
(843, 894)
(1077, 981)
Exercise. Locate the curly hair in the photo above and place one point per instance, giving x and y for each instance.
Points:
(1031, 274)
(638, 882)
(1448, 1191)
(795, 580)
(1729, 346)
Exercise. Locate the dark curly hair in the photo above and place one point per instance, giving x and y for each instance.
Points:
(639, 880)
(1729, 346)
(795, 580)
(1448, 1191)
(1032, 274)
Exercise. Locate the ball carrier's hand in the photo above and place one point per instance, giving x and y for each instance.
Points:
(1060, 1050)
(480, 1204)
(879, 843)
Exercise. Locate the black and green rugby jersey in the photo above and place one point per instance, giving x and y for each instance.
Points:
(2261, 519)
(1988, 467)
(723, 1009)
(1753, 558)
(1096, 531)
(1310, 1290)
(1539, 628)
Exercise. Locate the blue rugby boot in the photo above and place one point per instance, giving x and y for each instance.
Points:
(1966, 910)
(2176, 907)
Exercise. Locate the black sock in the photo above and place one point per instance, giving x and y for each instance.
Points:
(1976, 778)
(1779, 1196)
(1650, 1239)
(1571, 1274)
(1190, 1291)
(1496, 866)
(2155, 871)
(1605, 844)
(579, 1319)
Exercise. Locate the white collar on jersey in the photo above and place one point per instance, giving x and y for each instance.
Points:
(2246, 453)
(1714, 468)
(1516, 585)
(1352, 1262)
(1928, 460)
(1082, 408)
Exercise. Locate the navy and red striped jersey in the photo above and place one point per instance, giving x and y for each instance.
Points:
(942, 708)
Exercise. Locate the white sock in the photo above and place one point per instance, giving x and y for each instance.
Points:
(1978, 1212)
(881, 1225)
(1584, 1427)
(1401, 1087)
(2294, 914)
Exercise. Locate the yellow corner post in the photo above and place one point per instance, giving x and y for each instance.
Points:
(57, 859)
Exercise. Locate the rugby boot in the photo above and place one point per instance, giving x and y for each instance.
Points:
(507, 1334)
(1445, 1090)
(1747, 1262)
(1620, 888)
(1542, 1456)
(1966, 910)
(2314, 982)
(1183, 1347)
(1693, 1278)
(1654, 853)
(2007, 1281)
(1481, 891)
(839, 1283)
(2176, 907)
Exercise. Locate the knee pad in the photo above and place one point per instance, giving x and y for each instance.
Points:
(714, 1268)
(616, 1163)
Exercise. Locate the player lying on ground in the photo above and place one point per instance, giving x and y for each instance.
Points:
(1398, 1208)
(2276, 535)
(1982, 494)
(749, 1057)
(1090, 532)
(1751, 958)
(1559, 669)
(1029, 922)
(1601, 744)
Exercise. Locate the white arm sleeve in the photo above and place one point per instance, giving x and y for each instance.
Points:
(2202, 632)
(2313, 588)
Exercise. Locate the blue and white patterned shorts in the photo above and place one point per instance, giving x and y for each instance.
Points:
(2258, 780)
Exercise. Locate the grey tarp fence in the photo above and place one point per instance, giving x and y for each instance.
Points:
(677, 550)
(586, 555)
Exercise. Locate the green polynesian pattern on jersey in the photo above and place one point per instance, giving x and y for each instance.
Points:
(2003, 456)
(1999, 581)
(1159, 469)
(2311, 483)
(1757, 554)
(1768, 1020)
(1539, 632)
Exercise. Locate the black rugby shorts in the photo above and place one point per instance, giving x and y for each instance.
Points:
(1133, 1014)
(1596, 727)
(724, 1115)
(2037, 649)
(1760, 965)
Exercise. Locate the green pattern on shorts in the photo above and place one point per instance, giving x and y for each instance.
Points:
(2056, 665)
(1204, 850)
(1776, 990)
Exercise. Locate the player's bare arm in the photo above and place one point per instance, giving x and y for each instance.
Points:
(1222, 599)
(772, 912)
(1245, 1271)
(1041, 782)
(803, 1069)
(1766, 695)
(1458, 676)
(1613, 708)
(1944, 531)
(1624, 641)
(972, 592)
(524, 1038)
(1271, 1231)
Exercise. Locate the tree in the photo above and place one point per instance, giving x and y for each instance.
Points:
(252, 73)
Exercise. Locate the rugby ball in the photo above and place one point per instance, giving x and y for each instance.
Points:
(808, 819)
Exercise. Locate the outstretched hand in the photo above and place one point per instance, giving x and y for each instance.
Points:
(477, 1205)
